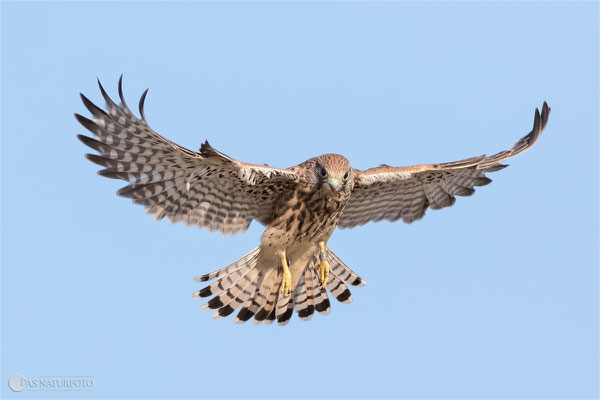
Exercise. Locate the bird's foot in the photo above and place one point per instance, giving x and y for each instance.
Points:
(322, 266)
(286, 283)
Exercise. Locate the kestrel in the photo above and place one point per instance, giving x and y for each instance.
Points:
(292, 268)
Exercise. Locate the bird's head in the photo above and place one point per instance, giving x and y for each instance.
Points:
(332, 173)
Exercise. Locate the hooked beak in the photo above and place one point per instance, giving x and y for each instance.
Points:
(334, 183)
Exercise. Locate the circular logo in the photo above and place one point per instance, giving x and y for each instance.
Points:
(17, 382)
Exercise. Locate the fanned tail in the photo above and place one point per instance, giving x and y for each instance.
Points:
(255, 290)
(342, 271)
(244, 261)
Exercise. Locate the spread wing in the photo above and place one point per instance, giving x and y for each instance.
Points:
(206, 189)
(406, 192)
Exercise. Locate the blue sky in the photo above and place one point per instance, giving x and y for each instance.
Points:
(494, 297)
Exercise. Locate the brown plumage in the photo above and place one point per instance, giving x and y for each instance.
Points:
(301, 206)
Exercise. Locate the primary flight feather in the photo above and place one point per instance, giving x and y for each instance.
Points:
(292, 268)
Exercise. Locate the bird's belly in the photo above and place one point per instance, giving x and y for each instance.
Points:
(302, 226)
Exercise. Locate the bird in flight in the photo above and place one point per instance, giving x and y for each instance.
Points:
(292, 268)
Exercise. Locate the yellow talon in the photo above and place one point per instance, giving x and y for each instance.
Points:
(286, 283)
(323, 266)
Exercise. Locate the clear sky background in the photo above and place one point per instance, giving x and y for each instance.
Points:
(494, 297)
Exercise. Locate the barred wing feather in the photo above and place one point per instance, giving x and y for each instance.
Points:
(206, 189)
(392, 193)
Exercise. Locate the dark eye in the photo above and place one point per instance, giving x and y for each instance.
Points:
(346, 176)
(322, 172)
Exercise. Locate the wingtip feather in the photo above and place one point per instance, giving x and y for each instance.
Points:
(141, 105)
